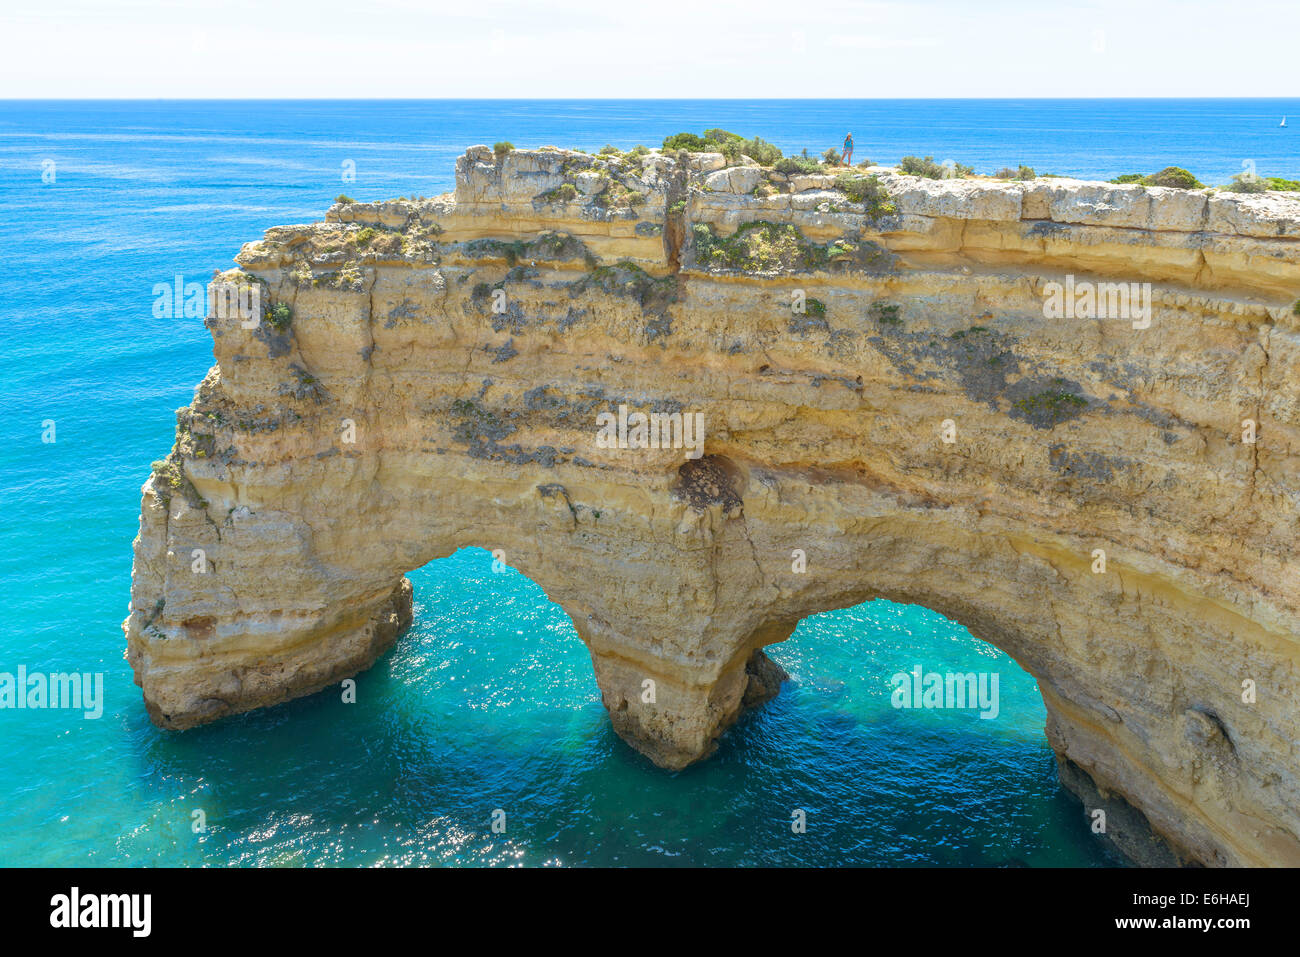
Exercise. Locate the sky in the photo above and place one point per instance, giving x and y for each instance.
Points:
(656, 49)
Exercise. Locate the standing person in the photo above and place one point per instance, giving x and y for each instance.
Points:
(848, 150)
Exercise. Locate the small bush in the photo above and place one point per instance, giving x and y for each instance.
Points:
(364, 236)
(796, 164)
(1296, 308)
(758, 149)
(279, 316)
(731, 145)
(1021, 172)
(564, 193)
(502, 148)
(689, 142)
(927, 167)
(832, 157)
(617, 196)
(344, 198)
(1246, 183)
(1174, 176)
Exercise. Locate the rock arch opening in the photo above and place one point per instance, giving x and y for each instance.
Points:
(956, 765)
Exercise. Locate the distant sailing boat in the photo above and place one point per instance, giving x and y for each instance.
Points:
(1283, 123)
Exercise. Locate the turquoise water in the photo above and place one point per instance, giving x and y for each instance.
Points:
(489, 702)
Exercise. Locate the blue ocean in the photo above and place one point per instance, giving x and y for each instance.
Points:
(489, 701)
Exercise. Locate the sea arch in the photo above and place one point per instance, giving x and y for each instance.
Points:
(677, 587)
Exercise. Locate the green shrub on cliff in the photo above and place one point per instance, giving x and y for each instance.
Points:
(766, 247)
(564, 193)
(617, 196)
(1174, 177)
(1246, 183)
(927, 167)
(279, 316)
(753, 247)
(502, 148)
(1296, 308)
(344, 198)
(690, 143)
(796, 165)
(867, 190)
(731, 145)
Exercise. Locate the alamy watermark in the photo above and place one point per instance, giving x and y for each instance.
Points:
(965, 690)
(74, 692)
(219, 299)
(130, 911)
(1098, 300)
(651, 430)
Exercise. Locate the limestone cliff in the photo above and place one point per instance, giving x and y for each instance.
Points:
(882, 389)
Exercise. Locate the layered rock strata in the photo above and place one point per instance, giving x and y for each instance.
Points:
(908, 397)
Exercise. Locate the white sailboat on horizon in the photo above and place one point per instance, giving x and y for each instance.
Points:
(1283, 123)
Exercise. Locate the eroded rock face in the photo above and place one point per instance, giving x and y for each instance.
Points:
(920, 431)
